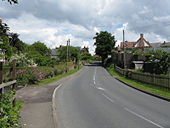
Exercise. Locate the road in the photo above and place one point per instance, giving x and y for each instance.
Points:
(94, 99)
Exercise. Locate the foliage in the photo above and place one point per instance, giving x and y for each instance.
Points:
(160, 61)
(40, 59)
(41, 48)
(22, 60)
(16, 43)
(135, 51)
(12, 1)
(3, 28)
(148, 88)
(166, 46)
(73, 53)
(32, 75)
(85, 56)
(5, 46)
(9, 115)
(105, 43)
(29, 76)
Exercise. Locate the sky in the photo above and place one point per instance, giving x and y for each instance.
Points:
(53, 22)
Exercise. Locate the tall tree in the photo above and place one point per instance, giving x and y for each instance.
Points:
(105, 43)
(73, 53)
(41, 48)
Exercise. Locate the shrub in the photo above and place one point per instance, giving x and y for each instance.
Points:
(160, 61)
(22, 77)
(9, 115)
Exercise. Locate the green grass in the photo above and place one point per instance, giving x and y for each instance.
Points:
(145, 87)
(50, 80)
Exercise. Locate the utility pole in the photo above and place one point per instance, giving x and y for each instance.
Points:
(124, 58)
(67, 57)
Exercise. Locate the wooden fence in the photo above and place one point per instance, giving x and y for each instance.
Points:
(157, 80)
(12, 83)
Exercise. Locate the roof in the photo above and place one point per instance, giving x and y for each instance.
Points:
(127, 44)
(155, 45)
(142, 43)
(54, 52)
(165, 44)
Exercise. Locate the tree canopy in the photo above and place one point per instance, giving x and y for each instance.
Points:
(73, 53)
(105, 43)
(41, 48)
(12, 1)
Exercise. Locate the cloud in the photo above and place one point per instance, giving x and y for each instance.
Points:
(54, 21)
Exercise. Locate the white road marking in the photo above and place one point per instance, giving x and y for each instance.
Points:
(108, 98)
(101, 88)
(94, 76)
(143, 118)
(54, 105)
(94, 82)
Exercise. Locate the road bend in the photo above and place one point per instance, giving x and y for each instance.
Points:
(94, 99)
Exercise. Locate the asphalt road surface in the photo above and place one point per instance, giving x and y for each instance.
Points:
(94, 99)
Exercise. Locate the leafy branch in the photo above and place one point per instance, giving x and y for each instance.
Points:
(12, 1)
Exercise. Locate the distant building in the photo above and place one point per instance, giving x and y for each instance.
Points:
(54, 53)
(141, 43)
(85, 50)
(127, 45)
(165, 46)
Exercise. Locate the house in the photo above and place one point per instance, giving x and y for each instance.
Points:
(141, 43)
(127, 45)
(54, 53)
(85, 50)
(165, 46)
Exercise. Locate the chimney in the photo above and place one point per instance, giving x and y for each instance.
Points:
(141, 35)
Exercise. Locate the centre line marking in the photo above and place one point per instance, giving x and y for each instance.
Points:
(143, 118)
(101, 88)
(108, 98)
(94, 76)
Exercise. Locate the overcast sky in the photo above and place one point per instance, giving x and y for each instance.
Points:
(55, 21)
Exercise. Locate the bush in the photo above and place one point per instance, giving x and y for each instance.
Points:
(9, 115)
(29, 76)
(160, 61)
(22, 77)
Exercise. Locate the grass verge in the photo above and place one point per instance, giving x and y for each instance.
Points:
(148, 88)
(50, 80)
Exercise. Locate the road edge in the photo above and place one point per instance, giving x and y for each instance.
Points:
(54, 107)
(146, 92)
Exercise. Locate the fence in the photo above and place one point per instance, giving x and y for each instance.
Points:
(10, 84)
(157, 80)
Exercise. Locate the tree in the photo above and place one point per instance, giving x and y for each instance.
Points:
(16, 43)
(160, 61)
(41, 48)
(105, 42)
(86, 56)
(73, 53)
(12, 1)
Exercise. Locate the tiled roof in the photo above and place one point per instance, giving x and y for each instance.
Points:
(54, 52)
(127, 44)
